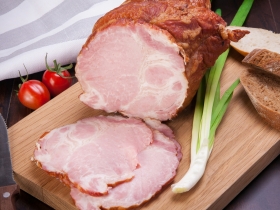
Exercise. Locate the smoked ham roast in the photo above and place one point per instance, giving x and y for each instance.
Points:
(146, 58)
(97, 153)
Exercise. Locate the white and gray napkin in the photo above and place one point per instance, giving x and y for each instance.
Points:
(30, 28)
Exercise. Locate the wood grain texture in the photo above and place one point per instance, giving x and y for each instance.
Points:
(244, 146)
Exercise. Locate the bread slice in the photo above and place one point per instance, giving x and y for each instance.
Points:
(263, 59)
(257, 39)
(263, 90)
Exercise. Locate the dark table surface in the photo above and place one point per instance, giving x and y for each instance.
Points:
(263, 193)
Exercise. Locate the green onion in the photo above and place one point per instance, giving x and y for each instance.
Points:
(209, 111)
(220, 110)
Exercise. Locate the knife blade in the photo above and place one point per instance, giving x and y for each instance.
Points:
(8, 187)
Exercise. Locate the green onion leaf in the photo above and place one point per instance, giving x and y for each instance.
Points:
(242, 13)
(223, 100)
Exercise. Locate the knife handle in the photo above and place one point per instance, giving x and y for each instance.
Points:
(7, 197)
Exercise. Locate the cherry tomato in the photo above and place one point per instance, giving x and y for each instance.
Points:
(56, 83)
(57, 79)
(33, 93)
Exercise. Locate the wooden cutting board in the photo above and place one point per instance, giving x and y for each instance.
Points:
(244, 146)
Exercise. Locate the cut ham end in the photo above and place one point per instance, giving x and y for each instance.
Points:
(135, 69)
(158, 164)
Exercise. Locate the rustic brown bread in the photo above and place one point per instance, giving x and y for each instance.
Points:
(264, 59)
(263, 90)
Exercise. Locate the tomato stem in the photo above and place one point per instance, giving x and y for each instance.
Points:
(58, 68)
(21, 77)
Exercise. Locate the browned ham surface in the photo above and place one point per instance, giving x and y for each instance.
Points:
(146, 58)
(101, 152)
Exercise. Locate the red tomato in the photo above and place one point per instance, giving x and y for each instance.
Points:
(56, 83)
(33, 94)
(57, 79)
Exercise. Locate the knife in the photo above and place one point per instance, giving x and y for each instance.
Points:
(8, 187)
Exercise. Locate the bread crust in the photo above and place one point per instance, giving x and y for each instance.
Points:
(265, 60)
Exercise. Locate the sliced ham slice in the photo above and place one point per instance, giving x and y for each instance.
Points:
(158, 164)
(167, 131)
(101, 152)
(94, 153)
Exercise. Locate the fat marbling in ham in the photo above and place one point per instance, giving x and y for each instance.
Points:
(143, 76)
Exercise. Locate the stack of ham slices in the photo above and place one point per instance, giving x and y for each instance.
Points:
(145, 60)
(110, 161)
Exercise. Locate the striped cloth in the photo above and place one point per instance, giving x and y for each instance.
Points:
(31, 28)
